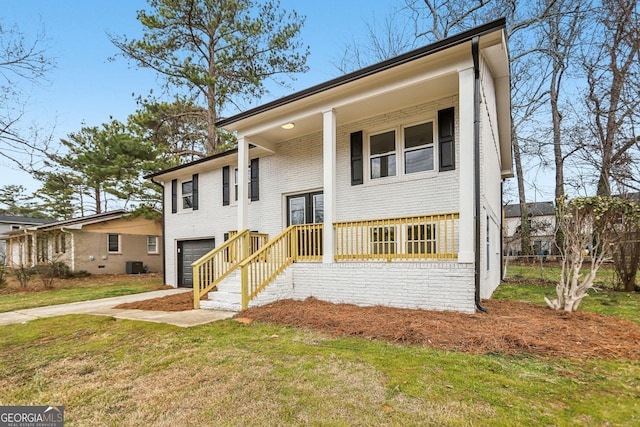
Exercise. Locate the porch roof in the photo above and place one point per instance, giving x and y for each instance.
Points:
(430, 72)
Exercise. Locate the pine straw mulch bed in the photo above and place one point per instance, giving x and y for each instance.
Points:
(176, 302)
(509, 327)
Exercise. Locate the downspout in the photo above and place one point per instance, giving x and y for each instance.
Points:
(476, 163)
(164, 253)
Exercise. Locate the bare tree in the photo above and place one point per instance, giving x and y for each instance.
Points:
(559, 36)
(613, 99)
(386, 38)
(22, 60)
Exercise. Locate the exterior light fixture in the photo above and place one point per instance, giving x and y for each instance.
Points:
(288, 126)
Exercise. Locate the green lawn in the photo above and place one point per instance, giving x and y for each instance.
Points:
(118, 372)
(602, 300)
(63, 294)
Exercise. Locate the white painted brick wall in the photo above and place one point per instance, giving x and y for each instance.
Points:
(446, 286)
(297, 168)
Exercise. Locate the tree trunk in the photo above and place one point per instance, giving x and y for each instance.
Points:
(98, 200)
(525, 238)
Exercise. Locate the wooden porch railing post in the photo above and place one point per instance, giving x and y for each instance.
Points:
(244, 276)
(196, 288)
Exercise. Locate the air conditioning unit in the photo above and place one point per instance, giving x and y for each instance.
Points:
(134, 267)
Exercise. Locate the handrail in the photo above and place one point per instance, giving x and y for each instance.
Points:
(406, 238)
(217, 264)
(296, 242)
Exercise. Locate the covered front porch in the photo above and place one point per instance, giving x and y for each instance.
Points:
(396, 248)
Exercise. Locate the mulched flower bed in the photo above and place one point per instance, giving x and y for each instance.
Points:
(509, 327)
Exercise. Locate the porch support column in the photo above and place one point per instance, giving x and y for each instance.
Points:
(465, 137)
(243, 184)
(329, 173)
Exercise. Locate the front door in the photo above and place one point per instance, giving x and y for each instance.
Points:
(307, 208)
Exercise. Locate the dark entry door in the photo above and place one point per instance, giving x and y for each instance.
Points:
(190, 251)
(307, 208)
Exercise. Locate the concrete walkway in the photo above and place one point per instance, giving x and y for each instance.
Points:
(104, 307)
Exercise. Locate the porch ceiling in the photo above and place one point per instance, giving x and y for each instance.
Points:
(356, 108)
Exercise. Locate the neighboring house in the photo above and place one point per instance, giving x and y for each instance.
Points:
(107, 243)
(15, 223)
(372, 188)
(542, 226)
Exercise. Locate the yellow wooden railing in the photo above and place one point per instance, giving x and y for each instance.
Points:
(214, 266)
(296, 243)
(417, 237)
(407, 238)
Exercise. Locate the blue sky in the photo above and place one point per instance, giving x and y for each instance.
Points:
(87, 89)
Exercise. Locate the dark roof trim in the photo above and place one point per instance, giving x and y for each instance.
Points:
(533, 208)
(104, 216)
(372, 69)
(195, 162)
(25, 220)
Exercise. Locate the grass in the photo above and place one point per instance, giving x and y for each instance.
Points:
(119, 372)
(116, 372)
(66, 292)
(603, 300)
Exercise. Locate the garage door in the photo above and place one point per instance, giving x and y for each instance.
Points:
(190, 251)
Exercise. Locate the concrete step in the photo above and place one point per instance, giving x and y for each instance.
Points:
(228, 295)
(219, 305)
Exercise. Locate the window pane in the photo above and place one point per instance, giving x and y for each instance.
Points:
(383, 143)
(113, 243)
(383, 166)
(187, 187)
(415, 136)
(383, 240)
(187, 202)
(297, 210)
(375, 168)
(391, 165)
(418, 160)
(318, 208)
(152, 244)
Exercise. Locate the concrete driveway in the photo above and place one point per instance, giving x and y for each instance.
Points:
(104, 307)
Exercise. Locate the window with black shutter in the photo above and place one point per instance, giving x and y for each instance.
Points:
(194, 190)
(174, 195)
(356, 158)
(254, 184)
(446, 138)
(225, 186)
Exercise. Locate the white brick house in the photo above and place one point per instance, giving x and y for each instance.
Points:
(382, 186)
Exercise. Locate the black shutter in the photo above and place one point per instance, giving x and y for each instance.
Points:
(356, 158)
(255, 180)
(174, 195)
(194, 186)
(225, 186)
(446, 138)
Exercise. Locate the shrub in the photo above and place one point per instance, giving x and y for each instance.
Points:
(3, 275)
(24, 274)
